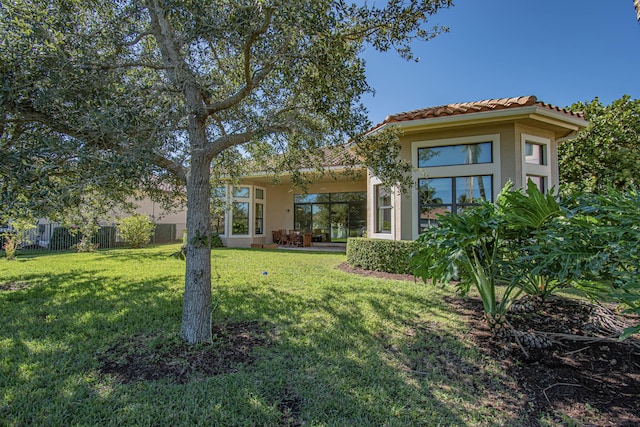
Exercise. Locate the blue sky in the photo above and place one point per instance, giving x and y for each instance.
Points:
(561, 51)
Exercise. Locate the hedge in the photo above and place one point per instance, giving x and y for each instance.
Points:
(390, 256)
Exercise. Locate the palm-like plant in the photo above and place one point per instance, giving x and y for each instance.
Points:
(467, 247)
(478, 247)
(526, 215)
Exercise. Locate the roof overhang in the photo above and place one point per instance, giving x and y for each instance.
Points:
(562, 124)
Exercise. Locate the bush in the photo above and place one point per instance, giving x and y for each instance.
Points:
(390, 256)
(9, 246)
(216, 241)
(136, 230)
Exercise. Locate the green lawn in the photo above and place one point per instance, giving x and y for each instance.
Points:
(346, 350)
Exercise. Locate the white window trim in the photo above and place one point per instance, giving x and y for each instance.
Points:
(543, 171)
(227, 211)
(252, 200)
(263, 202)
(373, 181)
(493, 168)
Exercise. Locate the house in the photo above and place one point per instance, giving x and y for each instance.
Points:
(460, 153)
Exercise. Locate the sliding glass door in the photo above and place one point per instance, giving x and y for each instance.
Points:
(331, 217)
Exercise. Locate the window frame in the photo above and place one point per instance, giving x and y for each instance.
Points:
(451, 146)
(258, 228)
(236, 202)
(453, 171)
(541, 171)
(372, 211)
(381, 210)
(255, 195)
(453, 206)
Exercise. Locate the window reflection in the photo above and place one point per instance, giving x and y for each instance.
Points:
(436, 196)
(383, 209)
(331, 216)
(460, 154)
(535, 154)
(240, 217)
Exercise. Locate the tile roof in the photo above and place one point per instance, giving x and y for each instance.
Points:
(472, 107)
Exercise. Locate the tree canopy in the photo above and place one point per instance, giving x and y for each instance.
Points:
(152, 93)
(607, 152)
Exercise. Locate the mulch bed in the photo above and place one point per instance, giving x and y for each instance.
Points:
(149, 358)
(583, 378)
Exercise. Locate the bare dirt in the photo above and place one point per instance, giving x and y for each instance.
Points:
(133, 359)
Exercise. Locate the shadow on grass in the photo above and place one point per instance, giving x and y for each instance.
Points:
(342, 355)
(332, 365)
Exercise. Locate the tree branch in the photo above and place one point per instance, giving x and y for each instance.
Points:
(252, 80)
(89, 137)
(232, 140)
(177, 68)
(169, 165)
(134, 64)
(137, 40)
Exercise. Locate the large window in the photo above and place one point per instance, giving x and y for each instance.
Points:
(240, 214)
(383, 209)
(452, 174)
(331, 217)
(459, 154)
(450, 194)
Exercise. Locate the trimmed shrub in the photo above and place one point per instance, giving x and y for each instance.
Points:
(216, 241)
(136, 230)
(389, 256)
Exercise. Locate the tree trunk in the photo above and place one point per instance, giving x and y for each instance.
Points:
(196, 311)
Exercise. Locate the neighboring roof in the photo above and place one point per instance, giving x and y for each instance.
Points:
(474, 107)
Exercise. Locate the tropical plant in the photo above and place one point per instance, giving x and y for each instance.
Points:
(595, 248)
(525, 215)
(484, 245)
(468, 247)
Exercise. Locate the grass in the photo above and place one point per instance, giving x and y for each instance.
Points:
(347, 350)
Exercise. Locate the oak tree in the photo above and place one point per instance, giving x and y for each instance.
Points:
(163, 91)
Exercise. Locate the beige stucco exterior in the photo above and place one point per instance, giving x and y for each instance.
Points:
(279, 205)
(509, 129)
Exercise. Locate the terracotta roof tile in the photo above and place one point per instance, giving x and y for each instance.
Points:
(472, 107)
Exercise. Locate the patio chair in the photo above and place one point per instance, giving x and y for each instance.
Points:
(284, 238)
(296, 239)
(275, 234)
